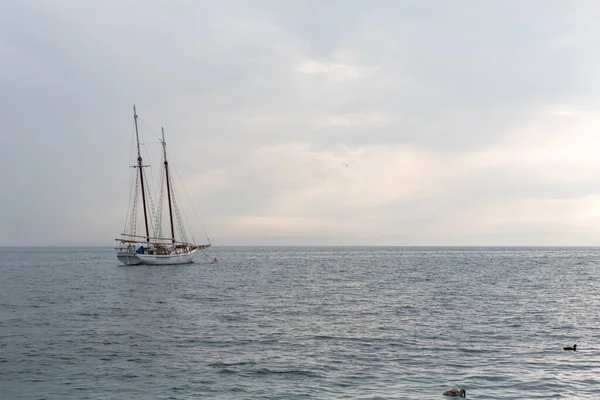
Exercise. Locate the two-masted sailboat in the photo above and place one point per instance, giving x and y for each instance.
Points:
(153, 246)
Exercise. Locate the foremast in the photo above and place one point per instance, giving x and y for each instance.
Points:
(139, 167)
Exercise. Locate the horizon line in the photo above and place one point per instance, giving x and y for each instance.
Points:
(326, 245)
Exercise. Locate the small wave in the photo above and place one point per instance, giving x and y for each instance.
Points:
(227, 371)
(296, 372)
(325, 337)
(232, 318)
(232, 364)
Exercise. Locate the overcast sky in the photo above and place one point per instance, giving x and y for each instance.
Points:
(307, 122)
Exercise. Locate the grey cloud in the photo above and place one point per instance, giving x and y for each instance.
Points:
(225, 81)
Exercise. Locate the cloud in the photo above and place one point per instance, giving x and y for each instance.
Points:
(358, 120)
(421, 194)
(315, 67)
(340, 67)
(364, 123)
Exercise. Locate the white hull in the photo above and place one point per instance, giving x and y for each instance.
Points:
(129, 258)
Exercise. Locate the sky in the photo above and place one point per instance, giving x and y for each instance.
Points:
(306, 122)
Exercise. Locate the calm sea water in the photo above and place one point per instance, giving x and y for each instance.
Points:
(301, 323)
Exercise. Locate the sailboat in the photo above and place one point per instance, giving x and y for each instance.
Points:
(153, 247)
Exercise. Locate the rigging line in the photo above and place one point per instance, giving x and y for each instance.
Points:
(134, 203)
(152, 179)
(150, 182)
(206, 255)
(152, 208)
(181, 222)
(145, 146)
(130, 205)
(160, 208)
(192, 204)
(147, 127)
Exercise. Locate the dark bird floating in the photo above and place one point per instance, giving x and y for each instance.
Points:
(455, 393)
(574, 348)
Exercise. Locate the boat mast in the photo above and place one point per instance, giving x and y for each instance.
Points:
(140, 166)
(168, 184)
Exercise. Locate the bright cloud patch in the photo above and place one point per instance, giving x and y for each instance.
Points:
(342, 71)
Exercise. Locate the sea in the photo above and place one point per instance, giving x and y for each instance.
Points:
(301, 323)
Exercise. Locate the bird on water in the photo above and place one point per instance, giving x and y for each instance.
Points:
(574, 348)
(455, 393)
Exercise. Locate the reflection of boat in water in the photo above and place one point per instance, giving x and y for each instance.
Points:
(154, 247)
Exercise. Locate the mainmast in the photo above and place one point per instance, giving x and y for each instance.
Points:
(140, 166)
(168, 184)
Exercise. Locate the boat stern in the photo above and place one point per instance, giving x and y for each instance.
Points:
(128, 258)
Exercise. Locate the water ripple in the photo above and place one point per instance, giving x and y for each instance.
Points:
(301, 323)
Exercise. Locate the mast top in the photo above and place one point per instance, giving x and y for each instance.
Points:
(137, 136)
(164, 144)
